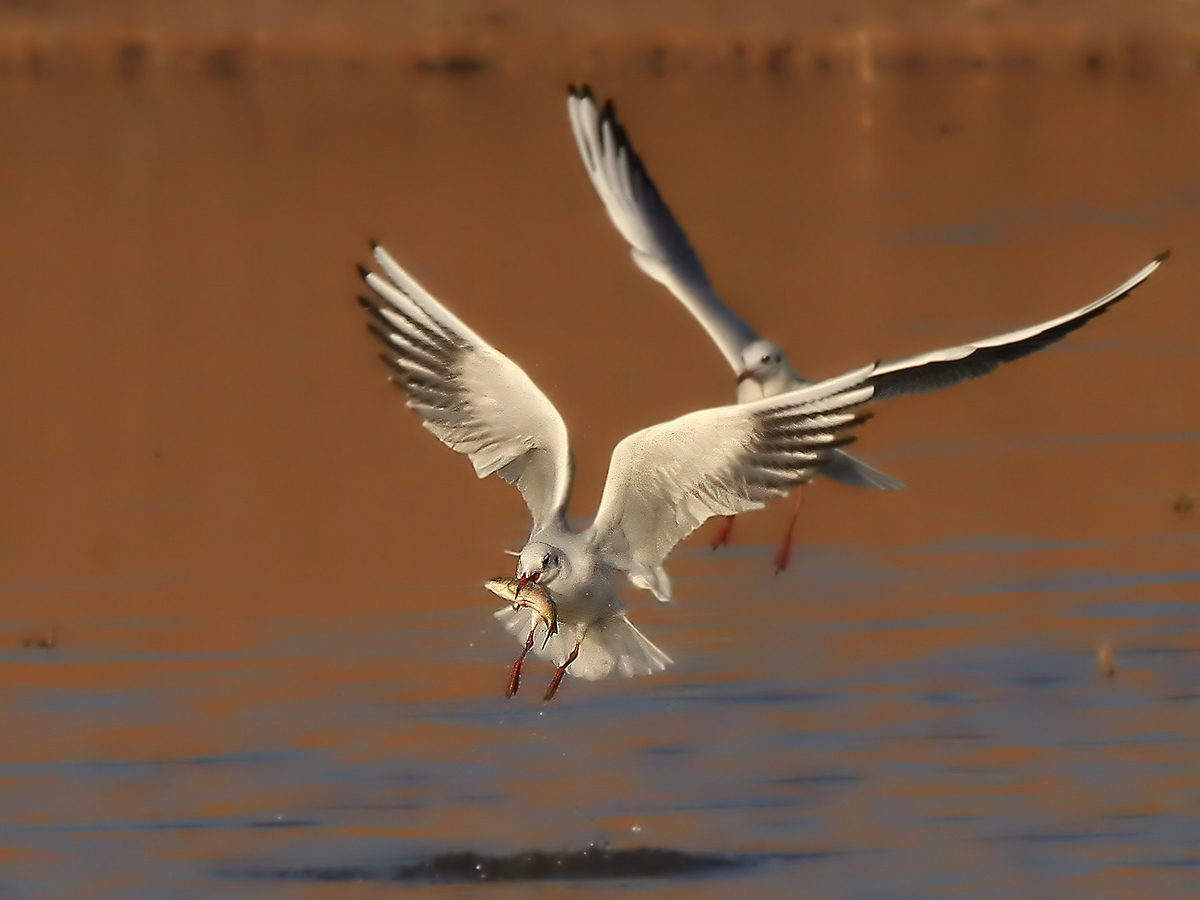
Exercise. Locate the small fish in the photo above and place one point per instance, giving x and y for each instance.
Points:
(532, 597)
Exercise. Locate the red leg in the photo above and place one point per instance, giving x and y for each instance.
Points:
(514, 679)
(785, 549)
(558, 676)
(722, 537)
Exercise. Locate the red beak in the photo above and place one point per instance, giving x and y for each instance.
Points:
(744, 374)
(522, 580)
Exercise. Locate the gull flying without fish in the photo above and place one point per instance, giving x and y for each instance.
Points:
(662, 250)
(662, 482)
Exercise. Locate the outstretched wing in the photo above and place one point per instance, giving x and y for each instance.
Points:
(664, 481)
(658, 244)
(472, 397)
(942, 368)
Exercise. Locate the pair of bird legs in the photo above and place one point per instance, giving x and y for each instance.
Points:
(514, 678)
(784, 553)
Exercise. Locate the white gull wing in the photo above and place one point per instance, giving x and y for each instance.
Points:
(942, 368)
(664, 481)
(659, 246)
(472, 397)
(661, 249)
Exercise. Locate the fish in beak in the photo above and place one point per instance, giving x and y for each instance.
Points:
(525, 592)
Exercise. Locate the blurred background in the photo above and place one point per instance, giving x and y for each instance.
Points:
(244, 647)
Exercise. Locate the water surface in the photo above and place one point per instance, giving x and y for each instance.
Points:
(273, 655)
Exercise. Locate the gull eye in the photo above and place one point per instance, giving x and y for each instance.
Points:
(546, 560)
(766, 358)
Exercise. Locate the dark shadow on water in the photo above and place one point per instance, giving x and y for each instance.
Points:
(1039, 680)
(582, 865)
(822, 777)
(1066, 837)
(594, 863)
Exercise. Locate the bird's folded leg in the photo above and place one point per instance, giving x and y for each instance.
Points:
(514, 679)
(558, 676)
(785, 549)
(722, 537)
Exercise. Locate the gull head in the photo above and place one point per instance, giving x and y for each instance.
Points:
(764, 365)
(760, 361)
(539, 563)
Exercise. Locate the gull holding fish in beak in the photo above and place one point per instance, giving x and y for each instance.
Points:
(662, 483)
(661, 249)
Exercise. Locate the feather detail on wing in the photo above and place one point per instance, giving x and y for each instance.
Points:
(942, 368)
(664, 481)
(852, 471)
(472, 397)
(657, 242)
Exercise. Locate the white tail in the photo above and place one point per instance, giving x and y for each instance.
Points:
(611, 646)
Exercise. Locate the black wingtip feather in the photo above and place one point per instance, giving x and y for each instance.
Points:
(382, 328)
(380, 332)
(378, 325)
(1162, 257)
(609, 116)
(393, 363)
(621, 142)
(373, 307)
(582, 92)
(363, 271)
(374, 244)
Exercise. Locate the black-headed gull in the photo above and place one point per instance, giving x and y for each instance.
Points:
(662, 482)
(662, 250)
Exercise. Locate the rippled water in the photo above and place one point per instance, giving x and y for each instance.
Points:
(274, 671)
(930, 717)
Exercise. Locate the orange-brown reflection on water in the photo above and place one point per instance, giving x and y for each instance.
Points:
(264, 578)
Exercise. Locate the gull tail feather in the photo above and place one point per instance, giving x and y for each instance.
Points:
(612, 646)
(847, 469)
(656, 581)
